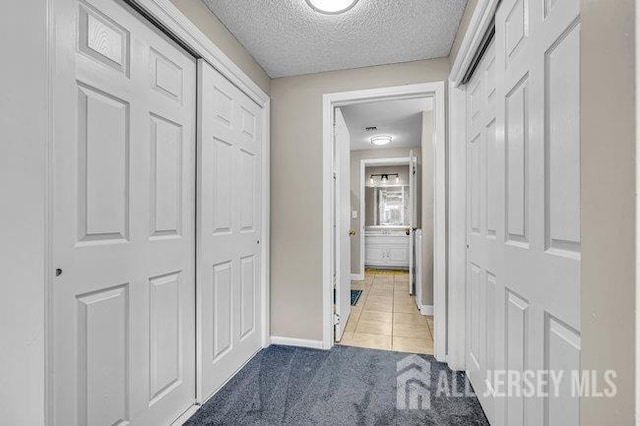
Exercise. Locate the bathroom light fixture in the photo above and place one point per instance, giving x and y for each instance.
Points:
(381, 140)
(331, 7)
(384, 177)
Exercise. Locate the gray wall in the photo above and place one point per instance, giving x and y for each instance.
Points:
(608, 194)
(23, 119)
(215, 30)
(296, 185)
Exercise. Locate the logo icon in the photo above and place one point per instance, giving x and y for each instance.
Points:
(413, 384)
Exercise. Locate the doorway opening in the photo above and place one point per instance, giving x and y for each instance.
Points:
(383, 241)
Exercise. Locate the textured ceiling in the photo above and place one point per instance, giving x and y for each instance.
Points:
(288, 38)
(400, 119)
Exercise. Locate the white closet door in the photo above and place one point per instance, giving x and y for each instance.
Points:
(229, 223)
(524, 210)
(539, 118)
(538, 58)
(123, 327)
(483, 213)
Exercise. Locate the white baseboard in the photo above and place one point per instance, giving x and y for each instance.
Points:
(301, 343)
(426, 310)
(357, 277)
(186, 415)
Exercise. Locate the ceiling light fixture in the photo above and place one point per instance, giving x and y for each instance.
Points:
(331, 7)
(381, 140)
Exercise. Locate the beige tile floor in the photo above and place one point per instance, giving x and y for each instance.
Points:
(386, 316)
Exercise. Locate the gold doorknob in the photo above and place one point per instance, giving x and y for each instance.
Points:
(352, 232)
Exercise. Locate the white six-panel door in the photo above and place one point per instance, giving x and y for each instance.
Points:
(343, 223)
(524, 208)
(229, 229)
(483, 183)
(123, 328)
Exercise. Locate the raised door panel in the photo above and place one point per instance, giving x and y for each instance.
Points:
(221, 186)
(248, 191)
(103, 40)
(517, 164)
(561, 357)
(475, 305)
(221, 305)
(104, 353)
(492, 189)
(103, 166)
(248, 287)
(165, 335)
(516, 27)
(167, 76)
(562, 135)
(474, 169)
(516, 338)
(166, 177)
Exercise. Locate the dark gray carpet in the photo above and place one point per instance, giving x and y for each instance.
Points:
(343, 386)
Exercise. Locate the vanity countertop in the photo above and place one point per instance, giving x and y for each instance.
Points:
(386, 232)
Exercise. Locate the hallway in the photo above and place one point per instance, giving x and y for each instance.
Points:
(386, 316)
(343, 386)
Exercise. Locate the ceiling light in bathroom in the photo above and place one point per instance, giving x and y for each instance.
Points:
(381, 140)
(331, 7)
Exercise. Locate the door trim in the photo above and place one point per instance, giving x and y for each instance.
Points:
(480, 21)
(171, 21)
(329, 102)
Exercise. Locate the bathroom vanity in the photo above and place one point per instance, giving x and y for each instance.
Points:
(386, 248)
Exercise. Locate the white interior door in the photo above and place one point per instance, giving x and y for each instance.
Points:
(483, 179)
(524, 208)
(229, 230)
(413, 221)
(539, 120)
(343, 223)
(123, 332)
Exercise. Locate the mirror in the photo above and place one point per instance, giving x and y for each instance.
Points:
(387, 205)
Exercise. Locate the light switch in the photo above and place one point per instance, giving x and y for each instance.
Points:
(354, 214)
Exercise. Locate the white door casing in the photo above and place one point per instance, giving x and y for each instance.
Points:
(123, 308)
(343, 223)
(524, 255)
(229, 230)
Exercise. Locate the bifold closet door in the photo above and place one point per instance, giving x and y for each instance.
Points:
(229, 229)
(123, 330)
(483, 216)
(523, 165)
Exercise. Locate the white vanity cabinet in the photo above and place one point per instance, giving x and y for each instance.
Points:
(387, 249)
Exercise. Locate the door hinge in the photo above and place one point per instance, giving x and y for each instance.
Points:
(336, 319)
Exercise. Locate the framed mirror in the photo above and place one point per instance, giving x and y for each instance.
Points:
(387, 206)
